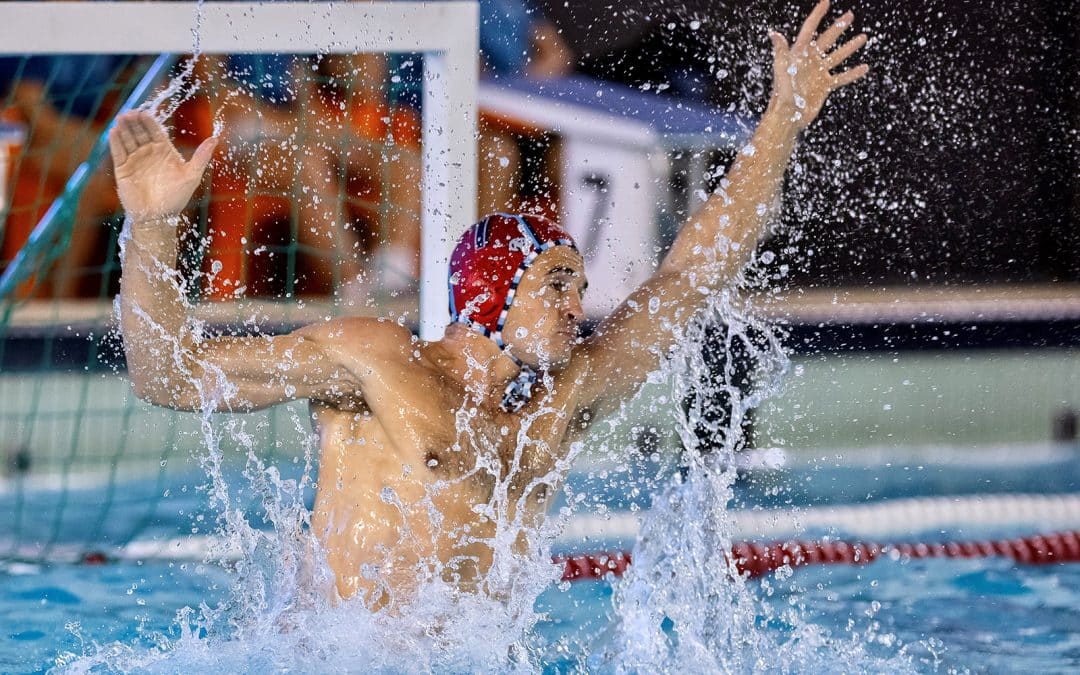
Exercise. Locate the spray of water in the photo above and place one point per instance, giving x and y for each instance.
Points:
(683, 606)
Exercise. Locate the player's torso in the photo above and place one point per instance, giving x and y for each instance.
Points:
(421, 473)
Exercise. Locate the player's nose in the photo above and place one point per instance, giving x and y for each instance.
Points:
(574, 310)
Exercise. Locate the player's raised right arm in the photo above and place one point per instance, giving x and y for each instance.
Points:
(155, 185)
(169, 362)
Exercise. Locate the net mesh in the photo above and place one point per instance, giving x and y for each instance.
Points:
(310, 208)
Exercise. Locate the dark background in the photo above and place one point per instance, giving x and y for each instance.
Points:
(954, 161)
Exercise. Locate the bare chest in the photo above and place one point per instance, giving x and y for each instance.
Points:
(436, 432)
(467, 440)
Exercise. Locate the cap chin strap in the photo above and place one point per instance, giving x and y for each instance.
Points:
(519, 391)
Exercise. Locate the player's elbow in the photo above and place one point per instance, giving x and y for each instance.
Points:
(141, 388)
(145, 384)
(165, 386)
(163, 393)
(163, 375)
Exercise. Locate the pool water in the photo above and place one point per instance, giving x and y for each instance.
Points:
(982, 615)
(986, 615)
(978, 615)
(47, 611)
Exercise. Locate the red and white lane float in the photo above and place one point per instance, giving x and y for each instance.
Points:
(754, 559)
(865, 524)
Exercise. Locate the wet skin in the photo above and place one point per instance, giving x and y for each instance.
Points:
(405, 465)
(414, 447)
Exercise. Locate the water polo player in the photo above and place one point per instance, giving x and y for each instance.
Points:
(416, 436)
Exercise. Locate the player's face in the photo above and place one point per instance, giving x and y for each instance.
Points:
(542, 326)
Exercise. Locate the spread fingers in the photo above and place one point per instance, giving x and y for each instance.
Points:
(810, 26)
(827, 39)
(849, 76)
(845, 50)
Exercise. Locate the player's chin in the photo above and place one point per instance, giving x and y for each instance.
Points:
(560, 350)
(561, 362)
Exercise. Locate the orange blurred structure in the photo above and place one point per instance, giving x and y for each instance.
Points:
(38, 169)
(332, 135)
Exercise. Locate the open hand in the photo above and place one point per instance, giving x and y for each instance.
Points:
(802, 73)
(152, 178)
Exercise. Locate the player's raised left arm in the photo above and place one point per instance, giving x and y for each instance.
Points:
(717, 241)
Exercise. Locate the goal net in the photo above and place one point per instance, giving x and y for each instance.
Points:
(347, 157)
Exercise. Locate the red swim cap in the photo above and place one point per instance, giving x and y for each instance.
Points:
(488, 263)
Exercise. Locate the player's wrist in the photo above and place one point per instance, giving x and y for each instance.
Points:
(782, 107)
(783, 115)
(154, 220)
(154, 227)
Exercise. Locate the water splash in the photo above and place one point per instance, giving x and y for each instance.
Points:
(182, 85)
(683, 605)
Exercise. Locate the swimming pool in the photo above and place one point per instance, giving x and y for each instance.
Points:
(978, 614)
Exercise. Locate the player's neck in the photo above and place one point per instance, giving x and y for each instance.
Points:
(477, 362)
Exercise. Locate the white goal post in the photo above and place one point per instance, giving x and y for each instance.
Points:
(446, 32)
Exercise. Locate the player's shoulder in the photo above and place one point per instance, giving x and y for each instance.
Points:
(360, 334)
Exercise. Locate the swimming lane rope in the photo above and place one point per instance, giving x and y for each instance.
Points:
(754, 559)
(864, 523)
(874, 520)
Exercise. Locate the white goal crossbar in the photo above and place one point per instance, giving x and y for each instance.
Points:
(445, 32)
